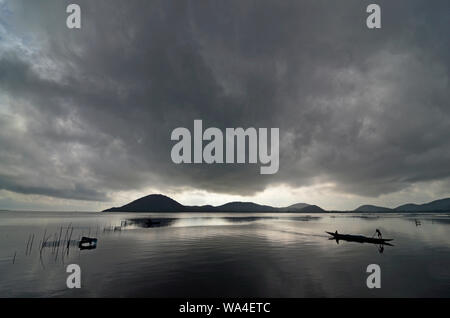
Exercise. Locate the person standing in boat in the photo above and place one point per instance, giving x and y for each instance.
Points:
(377, 231)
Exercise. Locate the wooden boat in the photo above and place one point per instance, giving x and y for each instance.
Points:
(87, 243)
(359, 238)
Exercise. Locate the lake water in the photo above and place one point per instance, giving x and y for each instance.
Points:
(226, 254)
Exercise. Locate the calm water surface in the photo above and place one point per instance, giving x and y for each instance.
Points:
(194, 255)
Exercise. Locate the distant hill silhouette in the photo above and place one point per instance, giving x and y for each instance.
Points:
(442, 205)
(244, 206)
(372, 208)
(295, 207)
(151, 203)
(162, 203)
(310, 209)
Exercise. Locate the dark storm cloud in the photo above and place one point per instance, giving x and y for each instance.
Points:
(91, 111)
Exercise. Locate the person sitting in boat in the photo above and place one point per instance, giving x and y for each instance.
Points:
(377, 231)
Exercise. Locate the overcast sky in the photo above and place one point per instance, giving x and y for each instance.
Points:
(86, 115)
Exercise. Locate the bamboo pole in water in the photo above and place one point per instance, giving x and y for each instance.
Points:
(31, 245)
(28, 244)
(59, 242)
(55, 235)
(43, 241)
(65, 240)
